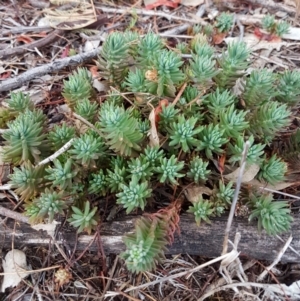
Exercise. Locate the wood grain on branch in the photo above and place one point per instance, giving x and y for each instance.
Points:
(205, 240)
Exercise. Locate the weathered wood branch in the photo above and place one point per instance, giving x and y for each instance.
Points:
(50, 38)
(18, 81)
(205, 240)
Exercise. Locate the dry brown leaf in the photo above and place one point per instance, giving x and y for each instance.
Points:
(290, 2)
(25, 39)
(218, 38)
(14, 267)
(82, 15)
(249, 173)
(294, 34)
(153, 134)
(4, 168)
(49, 228)
(100, 86)
(277, 186)
(80, 126)
(255, 44)
(193, 193)
(151, 4)
(192, 2)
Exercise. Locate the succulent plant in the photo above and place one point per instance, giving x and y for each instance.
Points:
(169, 170)
(27, 180)
(166, 67)
(61, 175)
(50, 203)
(225, 193)
(268, 22)
(140, 168)
(153, 155)
(24, 140)
(113, 59)
(19, 102)
(259, 87)
(272, 170)
(78, 87)
(273, 216)
(146, 245)
(254, 154)
(198, 169)
(288, 88)
(87, 149)
(224, 22)
(119, 128)
(218, 100)
(183, 132)
(134, 195)
(282, 28)
(98, 183)
(202, 210)
(86, 109)
(211, 140)
(233, 122)
(202, 69)
(268, 119)
(60, 135)
(273, 27)
(148, 46)
(85, 220)
(201, 124)
(5, 116)
(116, 177)
(233, 64)
(167, 115)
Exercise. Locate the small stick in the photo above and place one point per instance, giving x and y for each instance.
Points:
(110, 278)
(14, 215)
(6, 187)
(280, 192)
(178, 275)
(276, 260)
(18, 81)
(22, 29)
(88, 123)
(241, 28)
(57, 153)
(235, 197)
(274, 288)
(291, 248)
(145, 12)
(179, 94)
(50, 38)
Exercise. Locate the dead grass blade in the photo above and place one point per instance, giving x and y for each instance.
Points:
(80, 16)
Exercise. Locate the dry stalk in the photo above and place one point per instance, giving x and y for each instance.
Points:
(49, 39)
(57, 153)
(125, 10)
(18, 81)
(277, 259)
(235, 197)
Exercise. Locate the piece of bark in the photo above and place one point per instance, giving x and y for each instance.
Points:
(205, 240)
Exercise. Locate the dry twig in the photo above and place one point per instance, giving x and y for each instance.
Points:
(50, 38)
(277, 259)
(54, 66)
